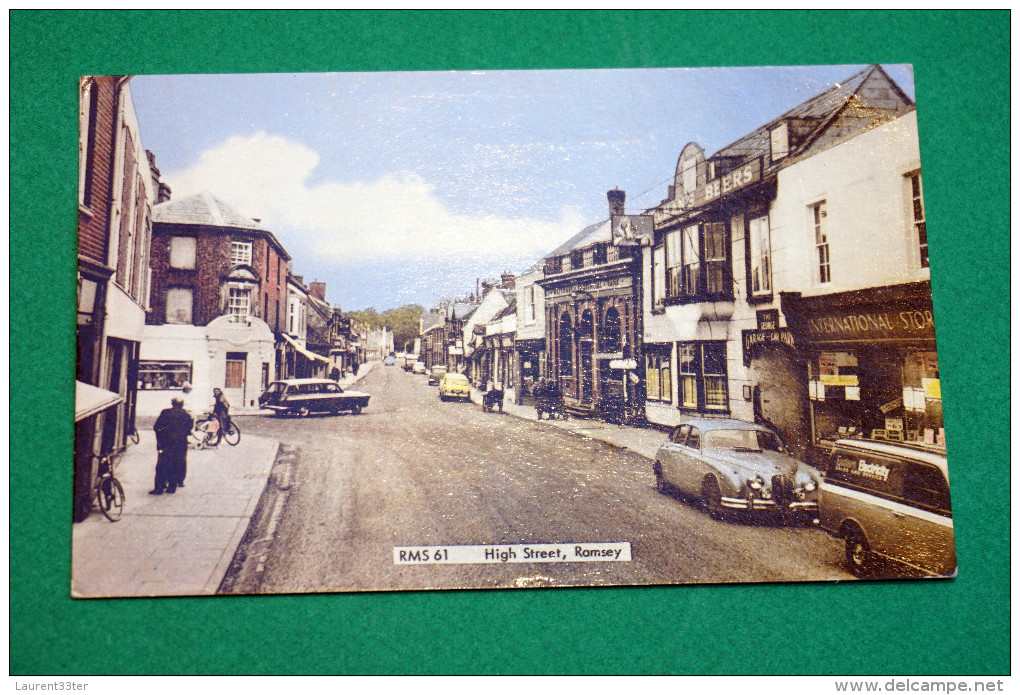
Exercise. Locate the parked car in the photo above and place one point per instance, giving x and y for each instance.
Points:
(390, 361)
(889, 501)
(735, 465)
(418, 368)
(436, 374)
(305, 396)
(454, 385)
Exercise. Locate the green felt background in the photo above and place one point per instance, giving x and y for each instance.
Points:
(962, 76)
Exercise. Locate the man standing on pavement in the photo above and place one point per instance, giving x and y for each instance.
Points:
(172, 429)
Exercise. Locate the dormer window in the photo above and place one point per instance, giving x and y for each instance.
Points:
(240, 253)
(780, 139)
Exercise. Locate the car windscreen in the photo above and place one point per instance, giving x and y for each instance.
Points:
(743, 440)
(276, 387)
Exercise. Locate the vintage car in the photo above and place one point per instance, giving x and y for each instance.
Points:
(889, 501)
(436, 373)
(305, 396)
(390, 360)
(735, 465)
(418, 368)
(454, 385)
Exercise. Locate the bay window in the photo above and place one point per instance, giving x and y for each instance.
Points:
(702, 376)
(658, 373)
(698, 263)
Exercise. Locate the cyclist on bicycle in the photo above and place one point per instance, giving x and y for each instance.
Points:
(221, 409)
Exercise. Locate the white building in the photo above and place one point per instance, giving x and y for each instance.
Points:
(795, 216)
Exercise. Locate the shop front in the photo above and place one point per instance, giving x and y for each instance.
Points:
(872, 366)
(530, 354)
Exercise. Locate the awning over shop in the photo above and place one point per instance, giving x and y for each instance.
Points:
(307, 353)
(89, 400)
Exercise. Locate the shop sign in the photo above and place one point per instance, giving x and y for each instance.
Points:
(456, 351)
(838, 379)
(623, 364)
(881, 325)
(632, 230)
(608, 355)
(768, 319)
(590, 287)
(754, 337)
(728, 183)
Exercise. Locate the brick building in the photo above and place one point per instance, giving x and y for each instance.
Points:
(219, 301)
(117, 187)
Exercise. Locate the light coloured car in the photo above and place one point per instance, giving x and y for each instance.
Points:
(454, 385)
(733, 465)
(436, 373)
(418, 368)
(889, 501)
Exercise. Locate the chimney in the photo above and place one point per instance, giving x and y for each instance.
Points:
(162, 189)
(616, 198)
(487, 285)
(508, 281)
(318, 290)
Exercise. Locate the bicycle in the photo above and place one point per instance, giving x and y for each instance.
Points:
(108, 493)
(132, 434)
(207, 432)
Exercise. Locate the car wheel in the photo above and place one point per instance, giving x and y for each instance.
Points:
(280, 413)
(858, 553)
(356, 410)
(303, 411)
(660, 482)
(712, 498)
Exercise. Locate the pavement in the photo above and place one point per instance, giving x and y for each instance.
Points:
(641, 440)
(180, 544)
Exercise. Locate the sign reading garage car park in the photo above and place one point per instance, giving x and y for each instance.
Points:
(532, 552)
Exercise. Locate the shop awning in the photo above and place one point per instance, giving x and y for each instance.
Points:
(89, 400)
(307, 353)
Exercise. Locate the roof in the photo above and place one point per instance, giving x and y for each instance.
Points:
(713, 423)
(592, 234)
(207, 210)
(814, 115)
(297, 382)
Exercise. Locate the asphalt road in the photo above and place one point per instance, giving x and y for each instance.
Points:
(414, 471)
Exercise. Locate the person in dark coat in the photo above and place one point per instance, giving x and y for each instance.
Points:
(221, 409)
(172, 429)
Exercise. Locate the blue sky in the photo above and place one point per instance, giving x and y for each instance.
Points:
(404, 187)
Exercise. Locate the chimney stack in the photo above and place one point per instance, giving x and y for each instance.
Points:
(508, 281)
(318, 290)
(616, 198)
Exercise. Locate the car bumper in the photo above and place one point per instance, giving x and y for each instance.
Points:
(757, 503)
(457, 394)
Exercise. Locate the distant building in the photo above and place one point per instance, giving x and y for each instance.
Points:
(219, 300)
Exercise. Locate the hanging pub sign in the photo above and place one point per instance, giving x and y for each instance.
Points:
(632, 230)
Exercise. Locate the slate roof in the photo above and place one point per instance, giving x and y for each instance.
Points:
(207, 210)
(592, 234)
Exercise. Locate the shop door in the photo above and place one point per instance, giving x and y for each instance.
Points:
(234, 382)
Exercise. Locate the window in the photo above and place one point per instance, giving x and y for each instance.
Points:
(179, 302)
(702, 376)
(163, 375)
(88, 95)
(658, 373)
(566, 346)
(529, 303)
(917, 213)
(761, 256)
(780, 142)
(693, 438)
(697, 262)
(239, 303)
(240, 253)
(182, 252)
(818, 215)
(658, 275)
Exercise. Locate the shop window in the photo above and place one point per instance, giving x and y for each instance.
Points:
(238, 303)
(163, 375)
(697, 263)
(760, 257)
(240, 253)
(182, 252)
(179, 302)
(658, 373)
(917, 215)
(611, 332)
(820, 227)
(702, 376)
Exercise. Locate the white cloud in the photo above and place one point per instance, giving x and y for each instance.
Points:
(399, 214)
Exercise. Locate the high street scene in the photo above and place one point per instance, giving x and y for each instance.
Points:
(356, 332)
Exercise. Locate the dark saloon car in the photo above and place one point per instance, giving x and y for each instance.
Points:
(303, 397)
(735, 465)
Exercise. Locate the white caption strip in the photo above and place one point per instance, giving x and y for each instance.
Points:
(539, 552)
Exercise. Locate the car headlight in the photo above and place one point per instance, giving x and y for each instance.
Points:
(810, 486)
(756, 483)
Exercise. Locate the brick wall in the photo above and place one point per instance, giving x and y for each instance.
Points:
(94, 216)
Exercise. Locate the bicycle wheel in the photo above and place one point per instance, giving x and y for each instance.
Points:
(111, 498)
(233, 434)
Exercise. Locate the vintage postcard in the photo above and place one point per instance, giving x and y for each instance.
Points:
(441, 330)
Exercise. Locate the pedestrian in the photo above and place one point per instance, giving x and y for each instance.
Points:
(172, 429)
(221, 409)
(334, 374)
